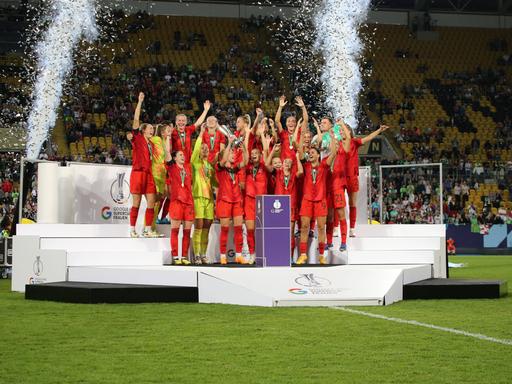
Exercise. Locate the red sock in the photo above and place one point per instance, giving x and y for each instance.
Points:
(336, 221)
(150, 214)
(165, 208)
(329, 230)
(186, 243)
(303, 248)
(353, 215)
(239, 238)
(224, 232)
(134, 212)
(343, 224)
(250, 240)
(174, 241)
(321, 248)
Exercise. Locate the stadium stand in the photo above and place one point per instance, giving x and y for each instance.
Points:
(446, 100)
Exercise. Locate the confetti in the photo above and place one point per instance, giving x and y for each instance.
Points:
(71, 20)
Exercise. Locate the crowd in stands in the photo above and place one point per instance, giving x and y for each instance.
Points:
(409, 196)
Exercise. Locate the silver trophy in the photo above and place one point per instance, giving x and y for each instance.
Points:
(119, 193)
(226, 131)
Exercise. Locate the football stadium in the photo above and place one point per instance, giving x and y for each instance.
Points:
(242, 191)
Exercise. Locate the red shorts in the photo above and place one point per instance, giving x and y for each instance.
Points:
(178, 210)
(336, 199)
(142, 183)
(250, 208)
(352, 184)
(313, 208)
(225, 209)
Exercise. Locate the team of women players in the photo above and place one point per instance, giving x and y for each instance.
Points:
(220, 175)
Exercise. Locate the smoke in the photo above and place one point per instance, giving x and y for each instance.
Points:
(337, 24)
(71, 21)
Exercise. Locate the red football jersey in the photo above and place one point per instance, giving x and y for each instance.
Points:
(180, 182)
(142, 151)
(287, 185)
(288, 151)
(338, 169)
(353, 157)
(315, 181)
(256, 180)
(182, 141)
(229, 184)
(213, 140)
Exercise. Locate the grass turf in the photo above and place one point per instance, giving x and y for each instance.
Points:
(45, 342)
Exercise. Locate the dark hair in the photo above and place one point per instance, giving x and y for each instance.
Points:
(328, 118)
(316, 149)
(143, 126)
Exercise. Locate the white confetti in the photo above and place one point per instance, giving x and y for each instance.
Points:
(71, 20)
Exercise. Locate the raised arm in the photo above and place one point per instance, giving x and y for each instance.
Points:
(333, 147)
(273, 131)
(245, 155)
(197, 146)
(317, 127)
(300, 168)
(346, 135)
(168, 146)
(305, 117)
(374, 134)
(136, 115)
(225, 154)
(206, 108)
(277, 119)
(257, 120)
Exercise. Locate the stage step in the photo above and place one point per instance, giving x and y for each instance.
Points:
(80, 230)
(76, 244)
(185, 276)
(455, 289)
(111, 258)
(93, 293)
(390, 257)
(401, 230)
(393, 243)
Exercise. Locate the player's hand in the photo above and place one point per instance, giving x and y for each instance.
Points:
(276, 147)
(383, 128)
(129, 136)
(141, 97)
(259, 111)
(282, 101)
(207, 105)
(299, 102)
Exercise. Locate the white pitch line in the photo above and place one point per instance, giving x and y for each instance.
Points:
(425, 325)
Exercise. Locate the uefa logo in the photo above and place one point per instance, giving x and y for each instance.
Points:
(276, 207)
(310, 280)
(120, 189)
(37, 267)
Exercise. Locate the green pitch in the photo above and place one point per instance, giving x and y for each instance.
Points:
(45, 342)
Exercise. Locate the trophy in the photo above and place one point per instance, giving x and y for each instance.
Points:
(226, 131)
(119, 194)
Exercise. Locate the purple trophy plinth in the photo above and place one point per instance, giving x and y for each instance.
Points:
(273, 231)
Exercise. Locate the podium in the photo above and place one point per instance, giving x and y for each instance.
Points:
(273, 231)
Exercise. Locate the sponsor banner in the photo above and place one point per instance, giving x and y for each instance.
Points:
(102, 194)
(497, 236)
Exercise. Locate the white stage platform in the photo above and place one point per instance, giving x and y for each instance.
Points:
(376, 266)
